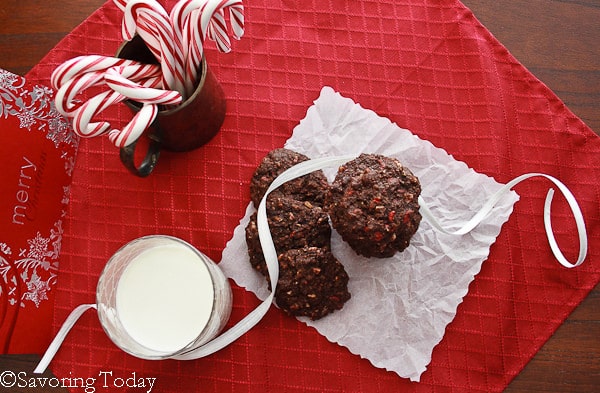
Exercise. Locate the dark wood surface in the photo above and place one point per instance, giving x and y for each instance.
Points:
(558, 40)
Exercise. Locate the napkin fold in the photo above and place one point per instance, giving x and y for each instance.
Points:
(400, 306)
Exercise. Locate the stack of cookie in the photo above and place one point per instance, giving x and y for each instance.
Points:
(312, 282)
(372, 203)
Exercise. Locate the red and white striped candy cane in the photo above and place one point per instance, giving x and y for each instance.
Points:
(171, 53)
(83, 64)
(132, 26)
(64, 97)
(180, 20)
(139, 71)
(135, 128)
(217, 31)
(182, 10)
(217, 27)
(210, 16)
(200, 19)
(131, 12)
(195, 49)
(82, 123)
(148, 19)
(137, 92)
(82, 117)
(121, 4)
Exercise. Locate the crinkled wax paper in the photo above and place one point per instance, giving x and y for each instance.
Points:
(400, 306)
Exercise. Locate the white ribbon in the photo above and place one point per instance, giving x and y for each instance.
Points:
(487, 207)
(60, 336)
(268, 248)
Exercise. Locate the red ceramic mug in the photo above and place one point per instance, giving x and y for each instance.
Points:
(183, 128)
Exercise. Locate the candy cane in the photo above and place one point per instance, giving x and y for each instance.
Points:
(217, 31)
(171, 54)
(213, 7)
(134, 129)
(236, 19)
(199, 19)
(148, 19)
(82, 117)
(139, 93)
(83, 64)
(176, 40)
(178, 23)
(150, 97)
(138, 71)
(146, 33)
(132, 11)
(143, 17)
(79, 82)
(217, 27)
(121, 4)
(64, 97)
(195, 47)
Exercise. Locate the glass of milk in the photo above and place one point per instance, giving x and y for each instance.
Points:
(158, 297)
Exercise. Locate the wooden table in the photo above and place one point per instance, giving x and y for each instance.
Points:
(556, 40)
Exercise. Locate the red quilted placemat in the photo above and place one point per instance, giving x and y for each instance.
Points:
(429, 66)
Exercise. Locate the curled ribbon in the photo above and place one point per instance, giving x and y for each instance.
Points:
(487, 207)
(270, 254)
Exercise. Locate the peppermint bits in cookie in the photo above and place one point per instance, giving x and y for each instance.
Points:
(373, 204)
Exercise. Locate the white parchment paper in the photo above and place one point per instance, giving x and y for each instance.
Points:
(400, 306)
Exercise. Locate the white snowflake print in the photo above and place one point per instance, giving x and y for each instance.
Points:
(26, 119)
(35, 110)
(36, 266)
(37, 289)
(38, 247)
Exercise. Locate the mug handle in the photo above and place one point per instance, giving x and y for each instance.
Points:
(147, 165)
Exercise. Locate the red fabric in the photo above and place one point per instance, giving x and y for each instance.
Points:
(37, 155)
(429, 66)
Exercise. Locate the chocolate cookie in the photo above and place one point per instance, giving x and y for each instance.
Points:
(373, 205)
(293, 224)
(312, 283)
(311, 187)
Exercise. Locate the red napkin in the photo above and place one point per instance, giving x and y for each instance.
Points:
(432, 68)
(37, 156)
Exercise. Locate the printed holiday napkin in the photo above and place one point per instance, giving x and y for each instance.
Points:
(37, 158)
